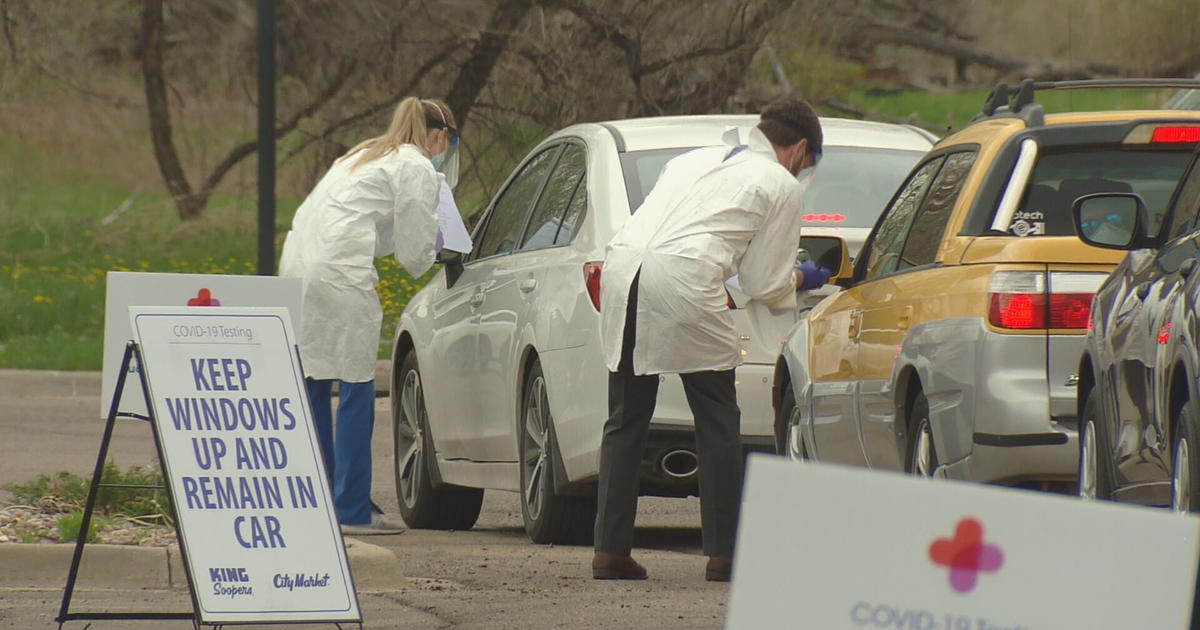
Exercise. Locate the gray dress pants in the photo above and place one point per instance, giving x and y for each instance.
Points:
(712, 397)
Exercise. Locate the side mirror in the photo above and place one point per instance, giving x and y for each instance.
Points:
(830, 252)
(1110, 220)
(453, 263)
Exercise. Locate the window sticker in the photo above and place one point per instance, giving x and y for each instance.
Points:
(1028, 222)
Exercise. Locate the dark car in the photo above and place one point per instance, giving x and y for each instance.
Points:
(1139, 398)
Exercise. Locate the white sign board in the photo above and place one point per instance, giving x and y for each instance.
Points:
(125, 289)
(830, 547)
(242, 458)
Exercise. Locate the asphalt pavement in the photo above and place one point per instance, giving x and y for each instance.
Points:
(489, 577)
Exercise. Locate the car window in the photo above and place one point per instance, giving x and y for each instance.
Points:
(575, 210)
(933, 216)
(547, 218)
(883, 254)
(1187, 204)
(853, 184)
(1062, 177)
(507, 217)
(641, 170)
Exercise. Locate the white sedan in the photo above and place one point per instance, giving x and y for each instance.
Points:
(499, 382)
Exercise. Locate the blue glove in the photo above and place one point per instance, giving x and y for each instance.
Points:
(815, 276)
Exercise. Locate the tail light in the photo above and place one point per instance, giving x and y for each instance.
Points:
(1023, 300)
(823, 217)
(1171, 135)
(591, 277)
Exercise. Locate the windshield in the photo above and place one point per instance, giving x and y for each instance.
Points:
(849, 189)
(1062, 177)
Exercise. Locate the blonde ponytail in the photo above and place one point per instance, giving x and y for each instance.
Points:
(410, 125)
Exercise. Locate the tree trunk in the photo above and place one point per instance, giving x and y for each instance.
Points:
(160, 115)
(474, 73)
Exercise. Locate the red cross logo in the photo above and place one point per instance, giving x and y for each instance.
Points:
(966, 555)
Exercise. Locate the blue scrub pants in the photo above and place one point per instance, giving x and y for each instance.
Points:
(347, 458)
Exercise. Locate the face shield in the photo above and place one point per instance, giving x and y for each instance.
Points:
(446, 162)
(449, 166)
(805, 175)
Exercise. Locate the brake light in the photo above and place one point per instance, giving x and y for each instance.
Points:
(591, 278)
(1070, 310)
(1018, 311)
(1177, 134)
(822, 217)
(1023, 300)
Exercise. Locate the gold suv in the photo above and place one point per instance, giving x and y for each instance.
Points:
(952, 346)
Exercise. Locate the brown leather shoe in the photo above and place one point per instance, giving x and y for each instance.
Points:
(614, 566)
(719, 569)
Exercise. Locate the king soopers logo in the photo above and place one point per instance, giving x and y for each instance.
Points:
(966, 555)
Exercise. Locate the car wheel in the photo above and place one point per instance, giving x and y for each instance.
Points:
(423, 505)
(1185, 476)
(549, 517)
(1095, 476)
(922, 457)
(789, 439)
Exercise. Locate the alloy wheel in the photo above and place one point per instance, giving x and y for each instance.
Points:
(922, 464)
(1087, 462)
(536, 437)
(1181, 482)
(409, 438)
(795, 438)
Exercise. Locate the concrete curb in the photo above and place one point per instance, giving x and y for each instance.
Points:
(53, 383)
(375, 568)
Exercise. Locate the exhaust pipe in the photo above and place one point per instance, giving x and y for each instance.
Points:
(679, 463)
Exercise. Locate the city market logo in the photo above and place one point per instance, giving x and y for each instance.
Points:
(966, 555)
(204, 298)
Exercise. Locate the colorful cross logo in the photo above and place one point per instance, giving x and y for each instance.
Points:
(204, 298)
(966, 555)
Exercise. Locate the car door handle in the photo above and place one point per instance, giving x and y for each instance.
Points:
(1188, 266)
(904, 320)
(1142, 290)
(477, 298)
(855, 323)
(528, 284)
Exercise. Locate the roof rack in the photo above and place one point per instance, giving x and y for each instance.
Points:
(1006, 101)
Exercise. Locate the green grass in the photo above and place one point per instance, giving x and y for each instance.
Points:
(70, 491)
(954, 109)
(56, 248)
(55, 253)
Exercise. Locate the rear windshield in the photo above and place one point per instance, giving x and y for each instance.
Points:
(850, 188)
(1062, 177)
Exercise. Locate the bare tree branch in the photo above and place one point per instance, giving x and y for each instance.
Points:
(424, 69)
(474, 73)
(160, 115)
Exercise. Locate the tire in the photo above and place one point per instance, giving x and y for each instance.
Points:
(1095, 476)
(549, 517)
(787, 421)
(422, 504)
(921, 457)
(1185, 474)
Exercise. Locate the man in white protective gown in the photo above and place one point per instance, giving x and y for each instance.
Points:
(714, 212)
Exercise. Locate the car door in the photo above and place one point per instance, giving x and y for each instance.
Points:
(1169, 311)
(835, 329)
(896, 303)
(488, 437)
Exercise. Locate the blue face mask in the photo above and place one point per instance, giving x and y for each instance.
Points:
(439, 161)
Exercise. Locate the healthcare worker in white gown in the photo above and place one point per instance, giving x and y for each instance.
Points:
(713, 213)
(379, 199)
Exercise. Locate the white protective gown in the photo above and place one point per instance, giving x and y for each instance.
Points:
(386, 206)
(706, 219)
